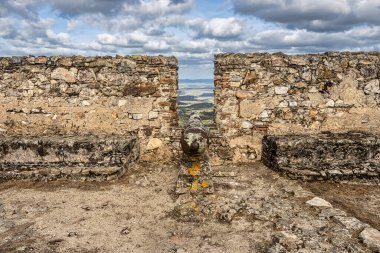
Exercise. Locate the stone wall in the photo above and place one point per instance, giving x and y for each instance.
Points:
(260, 93)
(98, 96)
(83, 158)
(324, 156)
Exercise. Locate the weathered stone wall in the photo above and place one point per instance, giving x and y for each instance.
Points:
(99, 96)
(48, 158)
(258, 94)
(324, 156)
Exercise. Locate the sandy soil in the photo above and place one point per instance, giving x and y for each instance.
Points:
(254, 210)
(359, 200)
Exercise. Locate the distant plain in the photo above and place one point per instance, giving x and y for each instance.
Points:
(196, 95)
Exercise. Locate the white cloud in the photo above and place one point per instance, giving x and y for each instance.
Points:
(217, 27)
(106, 38)
(157, 45)
(31, 29)
(321, 15)
(196, 46)
(360, 38)
(154, 8)
(58, 38)
(71, 24)
(71, 8)
(6, 26)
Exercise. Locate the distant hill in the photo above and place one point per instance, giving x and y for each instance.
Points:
(196, 95)
(196, 80)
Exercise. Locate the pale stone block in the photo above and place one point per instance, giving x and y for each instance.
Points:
(154, 143)
(318, 202)
(137, 116)
(249, 108)
(372, 87)
(86, 103)
(371, 238)
(246, 125)
(283, 104)
(281, 90)
(153, 115)
(330, 103)
(122, 102)
(64, 75)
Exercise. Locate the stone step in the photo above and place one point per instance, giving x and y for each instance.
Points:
(32, 157)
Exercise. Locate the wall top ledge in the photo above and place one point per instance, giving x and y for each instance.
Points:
(95, 61)
(330, 54)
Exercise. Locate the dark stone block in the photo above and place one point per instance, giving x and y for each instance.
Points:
(66, 157)
(324, 156)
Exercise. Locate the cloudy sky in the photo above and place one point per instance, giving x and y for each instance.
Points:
(192, 30)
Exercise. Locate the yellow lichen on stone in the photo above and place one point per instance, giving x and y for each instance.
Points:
(204, 184)
(192, 172)
(194, 186)
(196, 166)
(193, 204)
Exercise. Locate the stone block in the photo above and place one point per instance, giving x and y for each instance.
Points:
(328, 153)
(371, 238)
(249, 108)
(281, 90)
(153, 144)
(153, 115)
(318, 202)
(372, 87)
(53, 158)
(64, 75)
(246, 125)
(137, 116)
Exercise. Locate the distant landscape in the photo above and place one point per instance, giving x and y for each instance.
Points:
(196, 95)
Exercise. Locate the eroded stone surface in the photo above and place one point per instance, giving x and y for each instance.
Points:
(324, 156)
(195, 175)
(318, 202)
(66, 96)
(371, 237)
(153, 144)
(294, 94)
(88, 158)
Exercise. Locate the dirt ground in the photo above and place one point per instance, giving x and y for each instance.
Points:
(253, 210)
(359, 200)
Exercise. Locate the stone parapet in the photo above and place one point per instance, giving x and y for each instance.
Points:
(63, 96)
(259, 93)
